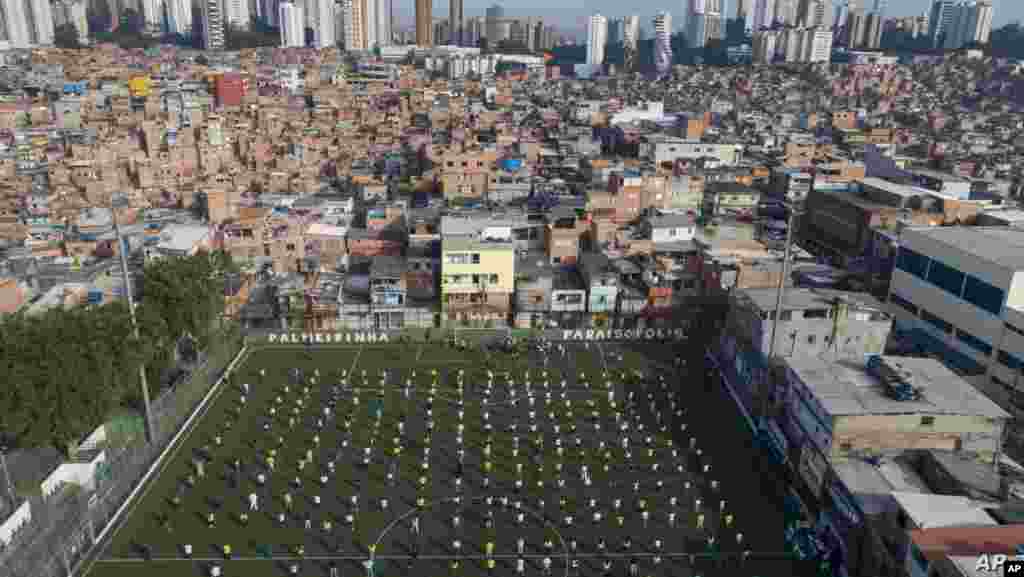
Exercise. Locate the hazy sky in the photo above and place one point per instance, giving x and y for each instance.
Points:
(573, 13)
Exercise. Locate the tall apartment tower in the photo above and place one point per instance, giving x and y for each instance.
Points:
(713, 27)
(971, 22)
(494, 14)
(764, 14)
(64, 12)
(269, 12)
(663, 43)
(597, 38)
(236, 14)
(152, 15)
(815, 13)
(939, 21)
(353, 36)
(293, 31)
(983, 30)
(786, 12)
(424, 23)
(456, 23)
(29, 23)
(323, 21)
(630, 37)
(695, 23)
(213, 25)
(614, 30)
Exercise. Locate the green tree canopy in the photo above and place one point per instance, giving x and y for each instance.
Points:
(68, 369)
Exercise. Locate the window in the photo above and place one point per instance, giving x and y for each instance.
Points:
(1010, 361)
(936, 321)
(983, 295)
(846, 446)
(903, 303)
(927, 421)
(946, 278)
(786, 316)
(458, 258)
(816, 314)
(811, 339)
(476, 279)
(494, 279)
(974, 342)
(476, 258)
(912, 262)
(290, 246)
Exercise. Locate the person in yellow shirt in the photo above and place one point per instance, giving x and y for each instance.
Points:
(489, 548)
(227, 551)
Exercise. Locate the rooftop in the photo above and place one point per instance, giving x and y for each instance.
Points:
(1000, 245)
(845, 388)
(182, 237)
(928, 510)
(802, 299)
(457, 244)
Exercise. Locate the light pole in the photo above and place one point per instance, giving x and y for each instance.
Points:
(7, 477)
(119, 201)
(781, 290)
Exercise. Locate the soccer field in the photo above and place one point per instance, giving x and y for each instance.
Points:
(553, 511)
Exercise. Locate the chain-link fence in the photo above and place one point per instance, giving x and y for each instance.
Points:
(64, 526)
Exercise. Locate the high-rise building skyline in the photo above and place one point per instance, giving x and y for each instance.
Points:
(424, 23)
(663, 43)
(597, 39)
(456, 22)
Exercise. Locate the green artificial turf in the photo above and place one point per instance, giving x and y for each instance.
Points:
(162, 527)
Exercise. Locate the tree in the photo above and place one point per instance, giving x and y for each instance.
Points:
(66, 36)
(61, 380)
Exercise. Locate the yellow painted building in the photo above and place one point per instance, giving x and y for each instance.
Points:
(477, 280)
(138, 86)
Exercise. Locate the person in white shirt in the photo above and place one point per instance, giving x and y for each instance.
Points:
(520, 566)
(254, 502)
(188, 550)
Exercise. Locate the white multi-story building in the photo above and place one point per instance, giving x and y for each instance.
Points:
(29, 23)
(324, 35)
(213, 25)
(236, 14)
(597, 38)
(152, 14)
(763, 15)
(765, 46)
(69, 12)
(958, 293)
(178, 14)
(292, 25)
(971, 22)
(663, 43)
(268, 11)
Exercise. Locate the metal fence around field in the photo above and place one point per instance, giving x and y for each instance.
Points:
(64, 526)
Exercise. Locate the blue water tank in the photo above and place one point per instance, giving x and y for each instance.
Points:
(511, 164)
